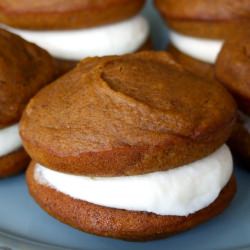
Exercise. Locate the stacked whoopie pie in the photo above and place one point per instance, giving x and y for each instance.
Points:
(72, 30)
(198, 29)
(24, 69)
(211, 39)
(122, 148)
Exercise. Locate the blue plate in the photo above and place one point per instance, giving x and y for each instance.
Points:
(23, 225)
(22, 220)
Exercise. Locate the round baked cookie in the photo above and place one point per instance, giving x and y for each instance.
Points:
(120, 223)
(107, 117)
(25, 68)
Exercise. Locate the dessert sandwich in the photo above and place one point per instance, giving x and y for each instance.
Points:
(25, 68)
(121, 148)
(233, 70)
(73, 30)
(211, 39)
(199, 28)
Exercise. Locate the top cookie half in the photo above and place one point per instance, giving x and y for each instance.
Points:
(61, 14)
(205, 18)
(24, 69)
(126, 115)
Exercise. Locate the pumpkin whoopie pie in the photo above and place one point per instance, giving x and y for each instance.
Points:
(210, 39)
(198, 29)
(25, 68)
(233, 70)
(72, 30)
(122, 148)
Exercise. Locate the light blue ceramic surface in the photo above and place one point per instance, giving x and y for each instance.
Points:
(23, 224)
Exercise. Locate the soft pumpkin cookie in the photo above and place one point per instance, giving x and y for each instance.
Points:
(107, 117)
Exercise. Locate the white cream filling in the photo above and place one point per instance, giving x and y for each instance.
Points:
(10, 140)
(205, 50)
(180, 191)
(113, 39)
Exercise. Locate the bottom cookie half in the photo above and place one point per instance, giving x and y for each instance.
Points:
(13, 163)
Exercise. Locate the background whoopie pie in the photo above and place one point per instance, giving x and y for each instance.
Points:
(24, 69)
(198, 29)
(122, 148)
(210, 39)
(72, 30)
(233, 70)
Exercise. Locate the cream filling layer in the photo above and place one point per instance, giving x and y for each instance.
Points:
(113, 39)
(205, 50)
(10, 140)
(180, 191)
